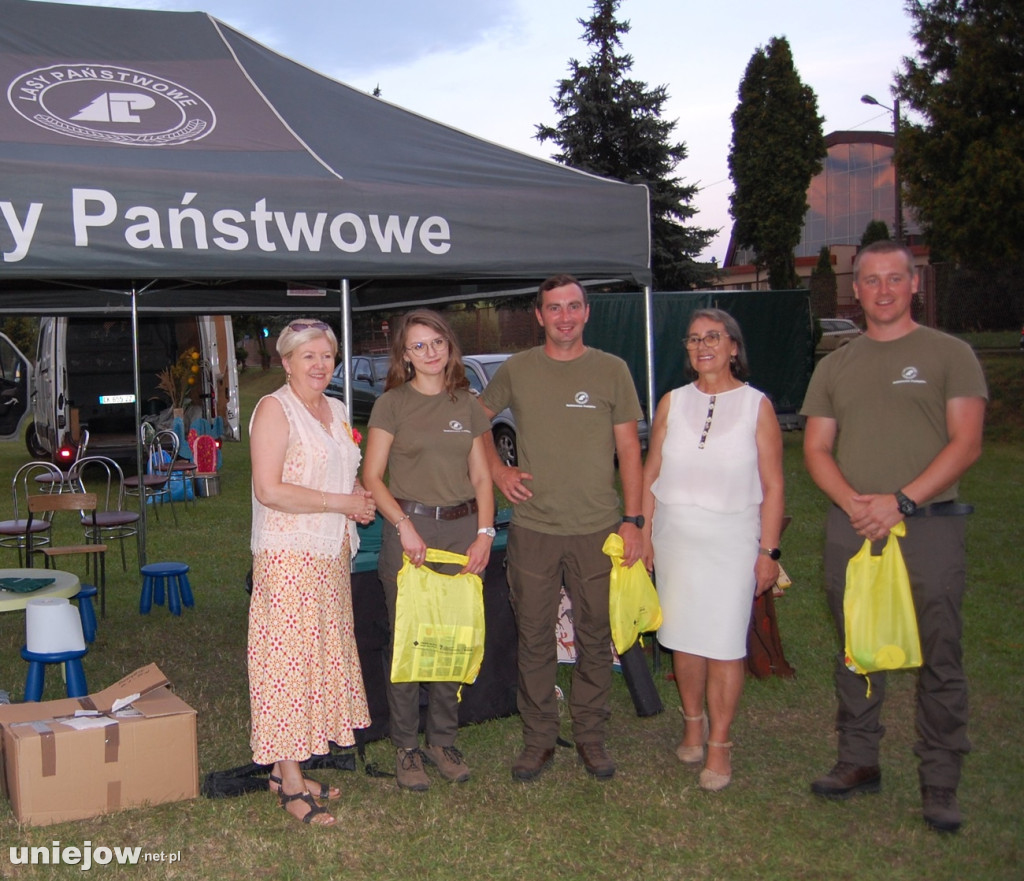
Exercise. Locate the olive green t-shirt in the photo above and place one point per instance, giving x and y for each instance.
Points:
(433, 435)
(565, 412)
(889, 403)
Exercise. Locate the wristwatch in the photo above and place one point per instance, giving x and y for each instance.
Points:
(489, 531)
(907, 506)
(637, 521)
(774, 553)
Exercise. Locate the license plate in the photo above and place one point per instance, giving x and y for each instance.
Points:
(117, 399)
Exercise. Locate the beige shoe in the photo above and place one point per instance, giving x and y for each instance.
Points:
(714, 781)
(448, 761)
(409, 771)
(693, 755)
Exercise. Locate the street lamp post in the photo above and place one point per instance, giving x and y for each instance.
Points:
(895, 110)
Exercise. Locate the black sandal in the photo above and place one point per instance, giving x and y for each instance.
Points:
(305, 797)
(325, 789)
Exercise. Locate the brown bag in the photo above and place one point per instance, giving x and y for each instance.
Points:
(764, 645)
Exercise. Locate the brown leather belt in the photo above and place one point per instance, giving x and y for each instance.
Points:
(438, 512)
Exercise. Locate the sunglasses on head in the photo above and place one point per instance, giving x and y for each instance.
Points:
(308, 325)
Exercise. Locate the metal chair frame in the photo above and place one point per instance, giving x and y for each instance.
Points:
(23, 485)
(112, 521)
(154, 478)
(94, 552)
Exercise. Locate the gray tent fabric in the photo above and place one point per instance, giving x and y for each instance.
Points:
(170, 148)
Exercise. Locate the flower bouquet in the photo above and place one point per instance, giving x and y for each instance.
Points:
(179, 379)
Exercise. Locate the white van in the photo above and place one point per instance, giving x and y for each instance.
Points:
(84, 378)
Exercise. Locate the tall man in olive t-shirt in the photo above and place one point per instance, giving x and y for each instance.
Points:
(576, 408)
(894, 420)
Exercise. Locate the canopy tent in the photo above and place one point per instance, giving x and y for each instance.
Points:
(168, 153)
(160, 161)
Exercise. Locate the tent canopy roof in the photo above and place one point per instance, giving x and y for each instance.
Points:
(166, 145)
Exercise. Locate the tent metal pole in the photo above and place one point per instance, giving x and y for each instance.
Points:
(649, 339)
(651, 404)
(346, 343)
(138, 427)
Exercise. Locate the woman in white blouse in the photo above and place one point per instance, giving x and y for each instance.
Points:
(713, 504)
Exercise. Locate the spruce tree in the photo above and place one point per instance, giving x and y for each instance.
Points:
(611, 125)
(777, 148)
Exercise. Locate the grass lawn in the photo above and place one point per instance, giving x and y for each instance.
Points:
(651, 821)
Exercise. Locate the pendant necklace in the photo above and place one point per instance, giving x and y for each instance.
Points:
(312, 412)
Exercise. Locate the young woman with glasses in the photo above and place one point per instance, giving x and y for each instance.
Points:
(427, 432)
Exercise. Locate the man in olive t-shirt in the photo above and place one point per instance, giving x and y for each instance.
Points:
(894, 420)
(576, 408)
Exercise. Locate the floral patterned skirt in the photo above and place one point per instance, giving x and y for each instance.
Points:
(305, 683)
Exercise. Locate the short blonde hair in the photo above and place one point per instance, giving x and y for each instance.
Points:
(300, 331)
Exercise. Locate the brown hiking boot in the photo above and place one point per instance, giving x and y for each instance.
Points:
(448, 761)
(409, 770)
(531, 761)
(846, 779)
(940, 809)
(596, 760)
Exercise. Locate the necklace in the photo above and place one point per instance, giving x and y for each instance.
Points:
(707, 423)
(312, 412)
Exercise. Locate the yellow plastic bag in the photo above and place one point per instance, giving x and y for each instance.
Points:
(632, 600)
(881, 624)
(439, 623)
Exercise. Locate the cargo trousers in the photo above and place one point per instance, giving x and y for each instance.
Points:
(934, 551)
(539, 565)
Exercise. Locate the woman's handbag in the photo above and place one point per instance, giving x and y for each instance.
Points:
(633, 605)
(439, 623)
(881, 624)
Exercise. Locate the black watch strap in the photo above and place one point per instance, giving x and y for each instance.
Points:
(637, 521)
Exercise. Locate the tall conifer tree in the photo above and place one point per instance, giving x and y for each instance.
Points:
(611, 125)
(777, 147)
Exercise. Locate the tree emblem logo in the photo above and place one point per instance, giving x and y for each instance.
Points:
(113, 105)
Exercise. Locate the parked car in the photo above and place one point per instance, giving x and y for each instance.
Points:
(479, 371)
(368, 375)
(835, 333)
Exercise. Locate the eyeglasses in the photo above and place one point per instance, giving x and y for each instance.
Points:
(308, 325)
(711, 339)
(420, 349)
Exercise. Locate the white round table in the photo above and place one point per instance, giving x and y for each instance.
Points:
(65, 584)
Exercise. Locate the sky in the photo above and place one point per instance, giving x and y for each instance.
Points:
(491, 67)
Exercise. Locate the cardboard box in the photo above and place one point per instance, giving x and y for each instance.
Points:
(80, 757)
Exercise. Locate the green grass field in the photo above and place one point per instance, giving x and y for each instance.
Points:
(651, 821)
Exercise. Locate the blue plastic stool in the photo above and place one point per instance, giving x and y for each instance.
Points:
(155, 576)
(86, 611)
(74, 675)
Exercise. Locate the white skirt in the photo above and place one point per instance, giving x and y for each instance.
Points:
(704, 570)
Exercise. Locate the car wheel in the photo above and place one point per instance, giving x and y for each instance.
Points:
(35, 447)
(505, 443)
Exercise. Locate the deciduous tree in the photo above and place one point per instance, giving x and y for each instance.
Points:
(777, 147)
(612, 126)
(963, 166)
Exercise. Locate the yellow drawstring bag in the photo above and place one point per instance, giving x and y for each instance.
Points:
(881, 624)
(632, 600)
(439, 623)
